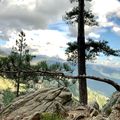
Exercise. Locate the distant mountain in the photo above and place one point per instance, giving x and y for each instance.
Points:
(112, 73)
(104, 72)
(51, 60)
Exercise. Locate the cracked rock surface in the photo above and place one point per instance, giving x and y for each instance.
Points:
(45, 100)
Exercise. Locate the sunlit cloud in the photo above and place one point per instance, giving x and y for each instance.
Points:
(42, 42)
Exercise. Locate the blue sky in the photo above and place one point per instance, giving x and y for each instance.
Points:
(47, 33)
(112, 38)
(2, 42)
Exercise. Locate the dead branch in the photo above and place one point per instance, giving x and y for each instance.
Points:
(62, 75)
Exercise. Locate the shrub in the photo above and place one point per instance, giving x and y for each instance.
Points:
(8, 96)
(51, 116)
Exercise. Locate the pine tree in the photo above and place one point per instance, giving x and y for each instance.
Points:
(20, 59)
(92, 48)
(80, 51)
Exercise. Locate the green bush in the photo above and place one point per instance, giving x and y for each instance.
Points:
(8, 96)
(51, 116)
(108, 111)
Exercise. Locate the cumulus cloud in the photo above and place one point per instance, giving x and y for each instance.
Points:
(32, 13)
(105, 9)
(33, 16)
(42, 42)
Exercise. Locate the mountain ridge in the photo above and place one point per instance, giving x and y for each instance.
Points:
(92, 69)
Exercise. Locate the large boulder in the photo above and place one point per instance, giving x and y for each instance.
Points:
(45, 100)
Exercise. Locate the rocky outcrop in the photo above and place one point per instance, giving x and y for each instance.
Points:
(30, 105)
(84, 112)
(115, 114)
(80, 113)
(111, 111)
(115, 99)
(33, 105)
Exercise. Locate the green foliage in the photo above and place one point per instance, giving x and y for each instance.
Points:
(8, 96)
(4, 63)
(72, 16)
(56, 67)
(93, 49)
(51, 116)
(20, 56)
(67, 67)
(108, 111)
(18, 60)
(42, 65)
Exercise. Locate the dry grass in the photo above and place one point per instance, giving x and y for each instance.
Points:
(8, 83)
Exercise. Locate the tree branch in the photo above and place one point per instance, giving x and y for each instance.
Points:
(61, 75)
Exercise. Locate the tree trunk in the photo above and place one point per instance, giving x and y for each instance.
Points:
(18, 85)
(81, 54)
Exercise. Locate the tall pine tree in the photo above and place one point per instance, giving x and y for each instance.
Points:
(80, 51)
(92, 48)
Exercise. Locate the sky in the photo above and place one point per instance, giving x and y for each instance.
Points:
(46, 31)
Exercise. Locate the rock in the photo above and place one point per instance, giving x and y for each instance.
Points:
(115, 114)
(35, 116)
(30, 90)
(99, 117)
(115, 99)
(80, 113)
(33, 105)
(17, 118)
(31, 84)
(112, 109)
(38, 86)
(94, 105)
(94, 113)
(44, 100)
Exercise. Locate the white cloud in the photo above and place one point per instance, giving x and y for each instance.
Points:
(31, 14)
(116, 29)
(34, 16)
(108, 61)
(43, 42)
(94, 35)
(105, 9)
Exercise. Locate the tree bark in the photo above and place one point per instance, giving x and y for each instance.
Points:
(18, 85)
(81, 55)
